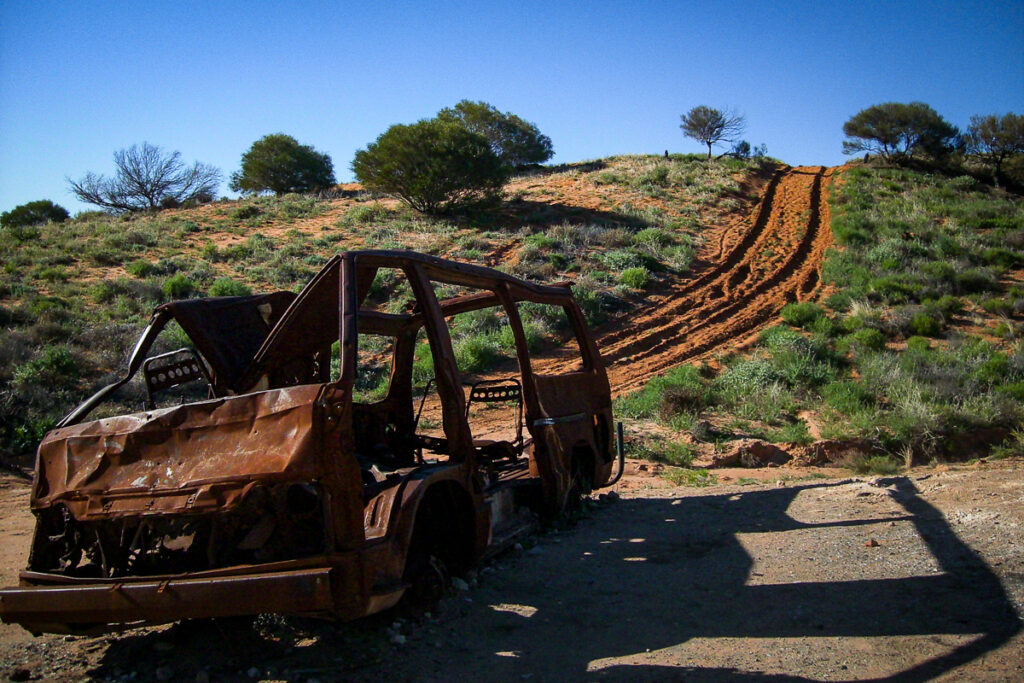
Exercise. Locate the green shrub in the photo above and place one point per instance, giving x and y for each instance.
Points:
(518, 143)
(976, 280)
(245, 212)
(635, 278)
(477, 353)
(278, 163)
(225, 286)
(997, 306)
(866, 338)
(140, 268)
(25, 436)
(847, 396)
(33, 213)
(178, 287)
(946, 305)
(793, 432)
(108, 291)
(919, 344)
(802, 314)
(56, 367)
(681, 476)
(1004, 258)
(680, 453)
(876, 464)
(925, 325)
(367, 213)
(652, 237)
(433, 166)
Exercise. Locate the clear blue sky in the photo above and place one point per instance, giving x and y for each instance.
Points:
(79, 80)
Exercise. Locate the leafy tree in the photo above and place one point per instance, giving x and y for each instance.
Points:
(278, 163)
(995, 139)
(518, 142)
(712, 126)
(896, 131)
(434, 166)
(41, 211)
(145, 177)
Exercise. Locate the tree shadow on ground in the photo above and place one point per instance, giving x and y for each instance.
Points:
(516, 213)
(649, 574)
(579, 166)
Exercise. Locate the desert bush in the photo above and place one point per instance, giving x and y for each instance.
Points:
(802, 314)
(925, 325)
(897, 131)
(225, 286)
(278, 163)
(876, 464)
(847, 396)
(516, 142)
(477, 353)
(367, 213)
(178, 287)
(55, 366)
(434, 166)
(680, 453)
(635, 278)
(140, 268)
(245, 212)
(33, 213)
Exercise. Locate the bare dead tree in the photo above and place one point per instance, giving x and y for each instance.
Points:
(146, 177)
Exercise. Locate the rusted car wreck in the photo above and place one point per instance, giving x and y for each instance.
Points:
(283, 491)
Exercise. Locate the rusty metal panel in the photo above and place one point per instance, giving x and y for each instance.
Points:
(43, 607)
(228, 331)
(239, 439)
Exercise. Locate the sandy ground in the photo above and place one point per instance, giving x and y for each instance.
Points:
(797, 576)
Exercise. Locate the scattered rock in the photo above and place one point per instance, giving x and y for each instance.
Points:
(20, 675)
(872, 543)
(703, 431)
(748, 453)
(535, 550)
(253, 672)
(202, 676)
(163, 673)
(834, 451)
(460, 584)
(163, 646)
(398, 639)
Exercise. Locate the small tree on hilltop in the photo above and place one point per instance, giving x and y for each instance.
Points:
(712, 126)
(278, 163)
(518, 142)
(996, 139)
(434, 166)
(145, 177)
(33, 213)
(897, 131)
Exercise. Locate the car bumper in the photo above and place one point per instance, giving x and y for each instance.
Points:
(80, 605)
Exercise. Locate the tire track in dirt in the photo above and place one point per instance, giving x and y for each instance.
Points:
(776, 261)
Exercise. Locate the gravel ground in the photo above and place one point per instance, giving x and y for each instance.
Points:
(908, 577)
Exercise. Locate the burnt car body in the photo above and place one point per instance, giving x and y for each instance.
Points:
(282, 491)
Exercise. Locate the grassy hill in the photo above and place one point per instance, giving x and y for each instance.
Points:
(916, 339)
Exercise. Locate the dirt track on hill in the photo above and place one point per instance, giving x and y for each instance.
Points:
(757, 267)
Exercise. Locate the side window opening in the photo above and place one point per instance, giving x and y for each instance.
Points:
(484, 347)
(554, 346)
(373, 367)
